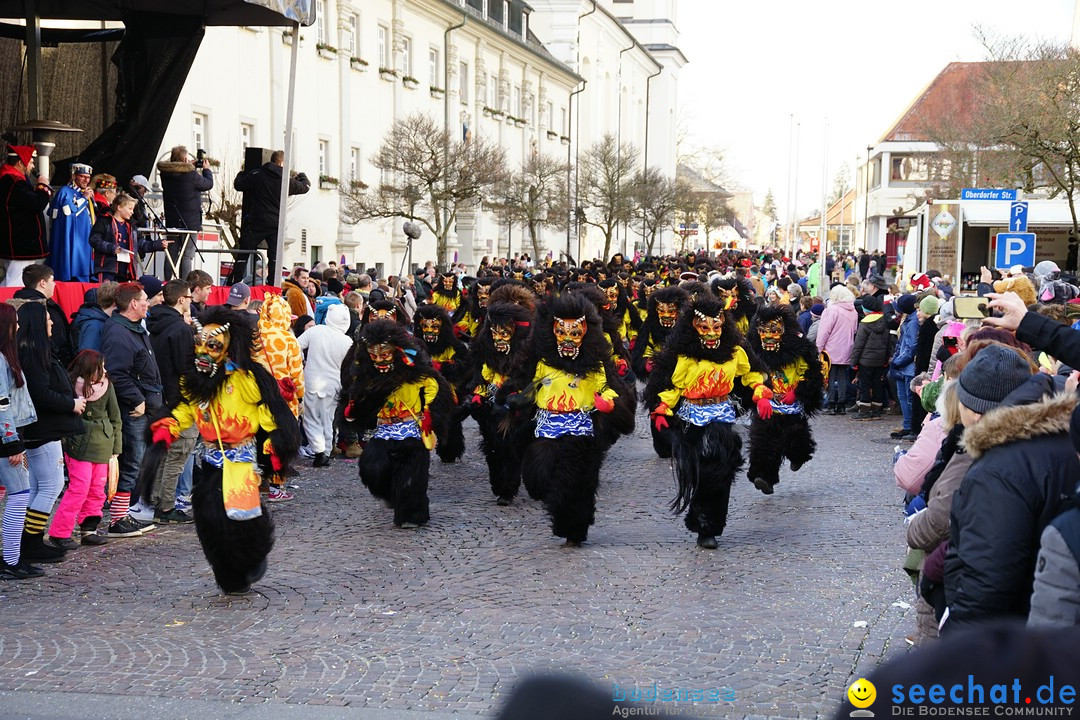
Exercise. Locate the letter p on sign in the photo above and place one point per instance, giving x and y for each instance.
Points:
(1014, 249)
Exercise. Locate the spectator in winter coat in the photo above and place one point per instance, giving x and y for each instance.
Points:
(1023, 468)
(1055, 600)
(326, 346)
(870, 356)
(118, 249)
(90, 319)
(835, 337)
(39, 285)
(182, 185)
(23, 238)
(902, 366)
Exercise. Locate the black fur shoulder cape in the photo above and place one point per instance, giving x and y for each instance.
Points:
(792, 347)
(483, 351)
(651, 330)
(457, 370)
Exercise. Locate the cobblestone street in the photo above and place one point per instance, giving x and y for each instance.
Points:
(798, 601)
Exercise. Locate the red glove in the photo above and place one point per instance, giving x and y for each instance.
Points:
(620, 366)
(348, 411)
(477, 400)
(603, 404)
(163, 431)
(764, 408)
(659, 416)
(287, 388)
(275, 461)
(425, 422)
(649, 365)
(789, 397)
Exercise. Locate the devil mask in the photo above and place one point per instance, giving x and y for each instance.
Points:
(211, 347)
(483, 292)
(382, 356)
(569, 335)
(708, 329)
(728, 298)
(429, 328)
(501, 335)
(667, 313)
(771, 332)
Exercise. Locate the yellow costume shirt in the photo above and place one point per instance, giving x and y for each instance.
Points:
(694, 378)
(559, 391)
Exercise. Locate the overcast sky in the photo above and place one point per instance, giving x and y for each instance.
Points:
(754, 63)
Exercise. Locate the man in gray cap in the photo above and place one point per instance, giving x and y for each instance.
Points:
(137, 188)
(1024, 468)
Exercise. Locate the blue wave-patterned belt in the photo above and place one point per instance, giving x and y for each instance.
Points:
(554, 424)
(397, 430)
(240, 454)
(795, 408)
(701, 415)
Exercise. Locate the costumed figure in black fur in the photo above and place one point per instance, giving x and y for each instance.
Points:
(620, 355)
(664, 307)
(450, 357)
(688, 400)
(581, 409)
(501, 347)
(230, 398)
(628, 321)
(446, 293)
(393, 388)
(737, 296)
(385, 309)
(470, 314)
(797, 382)
(645, 288)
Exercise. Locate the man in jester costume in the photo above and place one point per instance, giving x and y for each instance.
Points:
(446, 293)
(392, 388)
(500, 348)
(231, 399)
(688, 399)
(581, 409)
(470, 313)
(450, 357)
(796, 378)
(664, 307)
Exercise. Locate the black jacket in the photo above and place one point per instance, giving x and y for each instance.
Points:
(1024, 471)
(181, 188)
(873, 343)
(54, 400)
(262, 195)
(1050, 336)
(131, 363)
(927, 332)
(63, 349)
(106, 239)
(22, 217)
(173, 341)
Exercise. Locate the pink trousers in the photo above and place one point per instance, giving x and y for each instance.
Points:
(84, 497)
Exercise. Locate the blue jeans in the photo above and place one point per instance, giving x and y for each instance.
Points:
(15, 479)
(46, 475)
(183, 485)
(134, 436)
(903, 395)
(838, 384)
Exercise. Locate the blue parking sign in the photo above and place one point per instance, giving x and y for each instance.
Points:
(1014, 248)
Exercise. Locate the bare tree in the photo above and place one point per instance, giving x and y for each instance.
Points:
(1021, 130)
(535, 196)
(655, 196)
(607, 188)
(686, 214)
(714, 213)
(429, 176)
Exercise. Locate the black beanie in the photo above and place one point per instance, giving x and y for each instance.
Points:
(994, 373)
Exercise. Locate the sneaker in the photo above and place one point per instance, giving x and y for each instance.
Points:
(144, 525)
(175, 517)
(94, 539)
(126, 527)
(897, 434)
(909, 437)
(277, 496)
(64, 544)
(22, 570)
(141, 513)
(184, 507)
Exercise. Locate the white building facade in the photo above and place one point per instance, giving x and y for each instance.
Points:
(503, 84)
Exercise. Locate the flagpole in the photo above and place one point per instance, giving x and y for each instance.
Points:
(824, 244)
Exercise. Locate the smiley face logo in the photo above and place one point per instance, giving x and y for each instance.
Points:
(862, 693)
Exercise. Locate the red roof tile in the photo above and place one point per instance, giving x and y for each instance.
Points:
(953, 93)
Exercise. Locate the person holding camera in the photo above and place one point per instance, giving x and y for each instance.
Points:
(183, 181)
(259, 221)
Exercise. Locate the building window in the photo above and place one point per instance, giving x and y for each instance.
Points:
(405, 59)
(516, 106)
(562, 121)
(493, 91)
(324, 157)
(463, 80)
(354, 164)
(524, 25)
(506, 14)
(352, 25)
(247, 135)
(320, 22)
(200, 130)
(549, 118)
(532, 110)
(384, 47)
(433, 67)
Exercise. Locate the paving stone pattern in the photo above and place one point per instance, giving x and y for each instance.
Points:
(449, 617)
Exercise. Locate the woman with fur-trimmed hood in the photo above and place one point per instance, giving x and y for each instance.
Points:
(393, 388)
(688, 400)
(798, 385)
(500, 348)
(450, 357)
(581, 409)
(232, 400)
